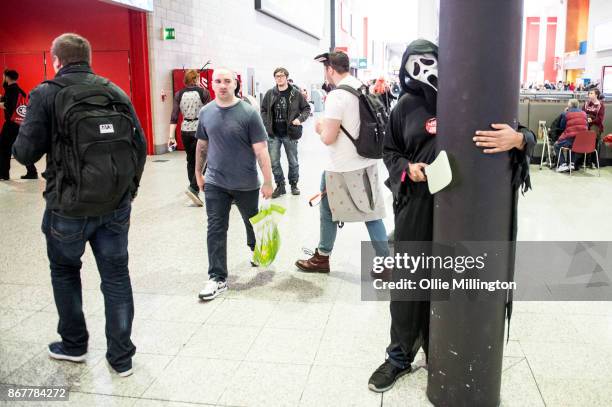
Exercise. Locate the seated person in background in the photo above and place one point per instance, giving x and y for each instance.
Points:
(555, 130)
(595, 110)
(574, 121)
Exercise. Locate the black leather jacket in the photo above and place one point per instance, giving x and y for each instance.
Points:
(299, 109)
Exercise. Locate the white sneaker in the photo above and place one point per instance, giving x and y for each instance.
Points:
(563, 168)
(125, 373)
(212, 289)
(572, 166)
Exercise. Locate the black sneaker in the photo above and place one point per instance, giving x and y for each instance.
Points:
(280, 190)
(254, 263)
(294, 189)
(385, 376)
(57, 351)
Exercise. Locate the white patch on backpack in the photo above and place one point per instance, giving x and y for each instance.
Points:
(106, 128)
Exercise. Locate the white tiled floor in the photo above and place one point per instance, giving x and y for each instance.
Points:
(279, 337)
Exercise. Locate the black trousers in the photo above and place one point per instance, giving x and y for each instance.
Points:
(410, 319)
(189, 142)
(7, 139)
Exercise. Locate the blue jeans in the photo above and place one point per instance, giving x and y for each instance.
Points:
(218, 204)
(108, 237)
(329, 229)
(564, 143)
(291, 149)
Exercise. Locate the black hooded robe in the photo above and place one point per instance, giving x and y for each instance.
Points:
(408, 140)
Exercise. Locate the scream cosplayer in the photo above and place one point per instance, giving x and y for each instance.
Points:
(410, 145)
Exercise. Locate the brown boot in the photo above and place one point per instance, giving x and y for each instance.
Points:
(385, 275)
(316, 264)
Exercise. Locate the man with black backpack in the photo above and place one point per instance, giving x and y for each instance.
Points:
(353, 130)
(96, 153)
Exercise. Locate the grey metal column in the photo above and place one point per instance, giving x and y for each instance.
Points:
(479, 60)
(332, 26)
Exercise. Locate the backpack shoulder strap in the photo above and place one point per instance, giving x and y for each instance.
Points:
(350, 90)
(59, 81)
(64, 82)
(353, 92)
(348, 135)
(21, 91)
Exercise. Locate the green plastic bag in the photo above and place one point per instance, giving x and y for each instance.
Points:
(265, 226)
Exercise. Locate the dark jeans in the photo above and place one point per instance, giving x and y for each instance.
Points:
(189, 142)
(564, 143)
(291, 149)
(218, 205)
(8, 136)
(108, 238)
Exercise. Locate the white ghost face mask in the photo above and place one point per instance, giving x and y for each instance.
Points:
(423, 68)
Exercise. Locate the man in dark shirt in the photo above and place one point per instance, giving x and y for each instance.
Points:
(10, 129)
(283, 111)
(231, 142)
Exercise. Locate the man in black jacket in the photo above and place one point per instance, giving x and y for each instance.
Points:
(283, 111)
(105, 230)
(10, 129)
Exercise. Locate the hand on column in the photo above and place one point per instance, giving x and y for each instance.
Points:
(503, 138)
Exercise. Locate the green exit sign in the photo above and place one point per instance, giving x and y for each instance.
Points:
(168, 33)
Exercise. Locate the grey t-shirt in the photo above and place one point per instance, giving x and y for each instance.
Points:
(231, 132)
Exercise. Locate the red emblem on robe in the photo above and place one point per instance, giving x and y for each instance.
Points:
(431, 126)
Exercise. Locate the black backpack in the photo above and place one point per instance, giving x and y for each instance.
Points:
(373, 117)
(94, 149)
(555, 129)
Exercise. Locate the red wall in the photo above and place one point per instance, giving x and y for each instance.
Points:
(31, 25)
(118, 38)
(532, 41)
(139, 70)
(550, 73)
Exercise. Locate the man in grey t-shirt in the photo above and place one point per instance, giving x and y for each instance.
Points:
(231, 138)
